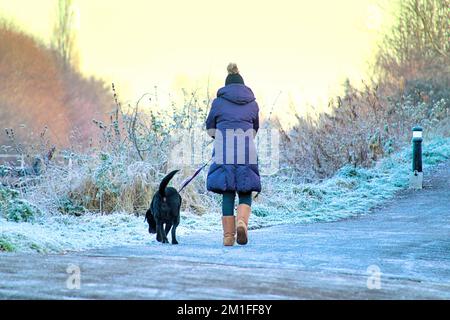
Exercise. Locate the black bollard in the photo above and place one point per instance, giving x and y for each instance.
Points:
(416, 180)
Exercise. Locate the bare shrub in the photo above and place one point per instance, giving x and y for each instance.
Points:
(123, 168)
(411, 86)
(37, 92)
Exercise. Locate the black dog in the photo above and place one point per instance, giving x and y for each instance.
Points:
(164, 209)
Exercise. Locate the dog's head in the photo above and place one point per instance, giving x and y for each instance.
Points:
(151, 221)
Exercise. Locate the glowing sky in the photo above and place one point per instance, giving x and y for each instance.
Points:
(303, 48)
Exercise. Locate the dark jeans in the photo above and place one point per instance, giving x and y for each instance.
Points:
(228, 201)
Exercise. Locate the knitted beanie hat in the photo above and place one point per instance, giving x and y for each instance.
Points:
(233, 75)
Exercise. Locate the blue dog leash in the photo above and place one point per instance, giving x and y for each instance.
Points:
(188, 180)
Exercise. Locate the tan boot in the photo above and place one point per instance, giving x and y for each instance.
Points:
(243, 214)
(229, 230)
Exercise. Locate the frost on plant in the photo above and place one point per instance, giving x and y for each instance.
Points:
(16, 209)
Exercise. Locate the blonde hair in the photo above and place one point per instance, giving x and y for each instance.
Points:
(232, 68)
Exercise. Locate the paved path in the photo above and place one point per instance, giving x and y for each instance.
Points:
(408, 240)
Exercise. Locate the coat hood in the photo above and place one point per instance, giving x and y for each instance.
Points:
(236, 93)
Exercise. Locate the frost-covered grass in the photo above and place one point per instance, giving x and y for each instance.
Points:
(60, 233)
(351, 191)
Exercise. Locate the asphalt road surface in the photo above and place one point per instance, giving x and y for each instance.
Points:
(398, 251)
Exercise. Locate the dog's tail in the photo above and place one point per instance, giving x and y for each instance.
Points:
(165, 182)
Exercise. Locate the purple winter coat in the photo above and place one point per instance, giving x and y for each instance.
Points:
(234, 108)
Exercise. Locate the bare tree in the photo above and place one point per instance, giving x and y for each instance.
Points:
(434, 21)
(63, 35)
(418, 45)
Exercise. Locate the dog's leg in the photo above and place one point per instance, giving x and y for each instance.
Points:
(163, 234)
(159, 232)
(174, 238)
(176, 222)
(168, 226)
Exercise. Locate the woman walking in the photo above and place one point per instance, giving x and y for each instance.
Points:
(233, 122)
